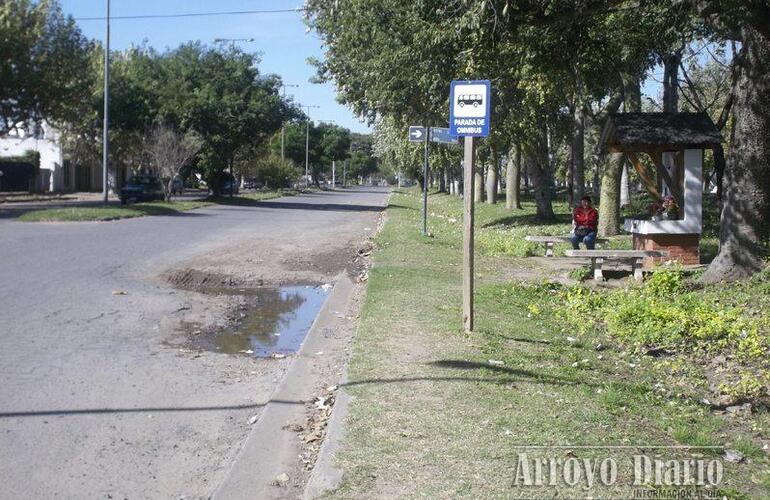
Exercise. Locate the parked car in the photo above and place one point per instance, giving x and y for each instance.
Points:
(177, 186)
(228, 184)
(142, 188)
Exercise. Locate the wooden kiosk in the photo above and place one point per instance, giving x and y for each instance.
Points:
(674, 143)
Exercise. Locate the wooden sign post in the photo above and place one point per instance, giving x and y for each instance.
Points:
(469, 116)
(468, 210)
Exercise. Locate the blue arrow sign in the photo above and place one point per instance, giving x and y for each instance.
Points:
(442, 135)
(416, 133)
(469, 108)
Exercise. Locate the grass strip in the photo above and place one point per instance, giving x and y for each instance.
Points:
(109, 213)
(438, 413)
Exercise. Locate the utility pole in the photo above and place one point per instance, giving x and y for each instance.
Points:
(106, 127)
(307, 144)
(283, 126)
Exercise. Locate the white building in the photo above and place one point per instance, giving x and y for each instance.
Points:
(41, 139)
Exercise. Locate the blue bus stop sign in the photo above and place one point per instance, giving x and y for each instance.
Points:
(469, 108)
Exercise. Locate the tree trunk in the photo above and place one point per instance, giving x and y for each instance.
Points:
(611, 174)
(719, 167)
(478, 186)
(745, 220)
(513, 178)
(492, 177)
(541, 176)
(609, 202)
(443, 179)
(542, 185)
(578, 154)
(625, 195)
(671, 81)
(596, 184)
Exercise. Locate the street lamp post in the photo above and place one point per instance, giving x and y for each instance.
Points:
(283, 126)
(307, 144)
(106, 127)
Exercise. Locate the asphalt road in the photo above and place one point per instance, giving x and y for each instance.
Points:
(97, 400)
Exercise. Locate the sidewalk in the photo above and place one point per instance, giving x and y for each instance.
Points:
(438, 413)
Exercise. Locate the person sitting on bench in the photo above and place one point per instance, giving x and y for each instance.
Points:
(585, 217)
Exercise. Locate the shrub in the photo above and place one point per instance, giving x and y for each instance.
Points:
(666, 281)
(277, 173)
(749, 386)
(581, 273)
(661, 314)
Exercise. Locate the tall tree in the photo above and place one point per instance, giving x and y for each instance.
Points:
(44, 64)
(170, 151)
(745, 218)
(222, 97)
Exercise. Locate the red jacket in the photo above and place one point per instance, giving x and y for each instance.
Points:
(586, 217)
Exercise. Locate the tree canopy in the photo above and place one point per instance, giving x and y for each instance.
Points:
(557, 68)
(44, 63)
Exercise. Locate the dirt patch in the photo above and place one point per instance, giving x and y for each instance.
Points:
(193, 279)
(251, 267)
(351, 259)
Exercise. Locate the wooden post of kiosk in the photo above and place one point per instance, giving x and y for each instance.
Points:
(468, 235)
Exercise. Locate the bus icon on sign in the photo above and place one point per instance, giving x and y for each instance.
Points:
(474, 100)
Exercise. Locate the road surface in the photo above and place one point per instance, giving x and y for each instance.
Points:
(99, 396)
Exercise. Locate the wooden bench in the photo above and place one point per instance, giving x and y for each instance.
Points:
(551, 240)
(599, 256)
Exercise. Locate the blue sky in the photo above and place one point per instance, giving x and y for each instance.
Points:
(280, 38)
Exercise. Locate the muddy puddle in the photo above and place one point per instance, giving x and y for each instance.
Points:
(274, 321)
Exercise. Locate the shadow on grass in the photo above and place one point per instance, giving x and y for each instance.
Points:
(401, 207)
(519, 339)
(515, 375)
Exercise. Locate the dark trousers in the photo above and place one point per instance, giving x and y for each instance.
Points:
(589, 240)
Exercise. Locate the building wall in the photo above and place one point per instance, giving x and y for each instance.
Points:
(51, 155)
(682, 248)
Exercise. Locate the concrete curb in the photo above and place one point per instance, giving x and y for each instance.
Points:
(270, 449)
(326, 476)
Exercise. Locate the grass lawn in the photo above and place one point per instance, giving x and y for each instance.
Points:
(438, 413)
(108, 213)
(73, 214)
